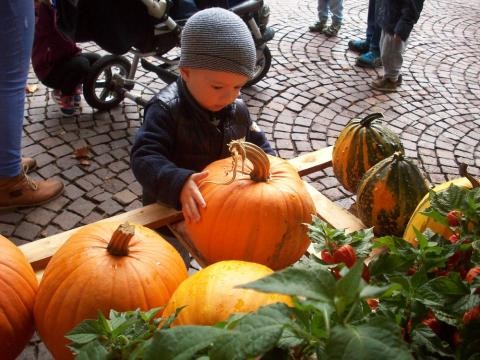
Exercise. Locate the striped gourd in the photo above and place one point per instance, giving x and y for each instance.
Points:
(422, 222)
(360, 145)
(388, 194)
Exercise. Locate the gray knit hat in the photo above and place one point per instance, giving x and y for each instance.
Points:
(217, 39)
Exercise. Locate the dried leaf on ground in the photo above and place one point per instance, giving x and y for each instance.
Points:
(31, 88)
(83, 155)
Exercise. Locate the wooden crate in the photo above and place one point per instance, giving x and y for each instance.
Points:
(40, 251)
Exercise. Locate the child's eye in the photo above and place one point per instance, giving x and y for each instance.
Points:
(216, 87)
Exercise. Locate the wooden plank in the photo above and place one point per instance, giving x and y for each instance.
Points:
(312, 162)
(333, 213)
(40, 251)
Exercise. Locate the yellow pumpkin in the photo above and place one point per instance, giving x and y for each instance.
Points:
(210, 296)
(422, 222)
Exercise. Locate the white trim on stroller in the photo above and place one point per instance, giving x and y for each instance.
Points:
(156, 8)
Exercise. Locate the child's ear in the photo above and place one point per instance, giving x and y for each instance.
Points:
(185, 73)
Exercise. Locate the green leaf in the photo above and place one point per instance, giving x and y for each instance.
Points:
(369, 291)
(425, 343)
(182, 342)
(255, 335)
(441, 291)
(308, 279)
(347, 289)
(378, 339)
(85, 332)
(93, 351)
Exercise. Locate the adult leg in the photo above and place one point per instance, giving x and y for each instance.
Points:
(371, 58)
(373, 28)
(16, 37)
(391, 50)
(362, 46)
(336, 7)
(322, 11)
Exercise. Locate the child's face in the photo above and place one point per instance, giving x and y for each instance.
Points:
(213, 90)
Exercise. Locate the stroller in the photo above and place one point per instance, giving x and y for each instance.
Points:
(154, 33)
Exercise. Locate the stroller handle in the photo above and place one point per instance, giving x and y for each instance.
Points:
(156, 8)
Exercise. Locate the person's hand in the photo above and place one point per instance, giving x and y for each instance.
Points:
(191, 197)
(397, 38)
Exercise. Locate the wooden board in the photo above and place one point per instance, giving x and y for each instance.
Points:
(40, 251)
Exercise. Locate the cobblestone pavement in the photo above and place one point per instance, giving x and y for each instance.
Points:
(312, 90)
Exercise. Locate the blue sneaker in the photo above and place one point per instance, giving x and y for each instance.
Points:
(360, 46)
(369, 60)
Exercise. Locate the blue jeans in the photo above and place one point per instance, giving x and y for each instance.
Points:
(16, 38)
(373, 30)
(335, 7)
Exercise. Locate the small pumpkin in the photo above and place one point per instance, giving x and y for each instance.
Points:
(18, 287)
(388, 194)
(209, 295)
(104, 266)
(258, 215)
(359, 146)
(422, 222)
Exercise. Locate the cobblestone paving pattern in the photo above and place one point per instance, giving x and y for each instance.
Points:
(312, 90)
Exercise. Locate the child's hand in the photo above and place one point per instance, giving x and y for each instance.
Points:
(191, 197)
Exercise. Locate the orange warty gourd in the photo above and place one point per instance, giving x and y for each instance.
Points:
(104, 266)
(18, 287)
(388, 194)
(359, 146)
(257, 216)
(210, 296)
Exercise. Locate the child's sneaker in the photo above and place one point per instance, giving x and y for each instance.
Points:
(369, 60)
(360, 46)
(77, 96)
(387, 85)
(333, 29)
(65, 102)
(319, 26)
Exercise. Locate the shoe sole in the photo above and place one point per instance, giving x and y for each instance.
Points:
(366, 65)
(384, 89)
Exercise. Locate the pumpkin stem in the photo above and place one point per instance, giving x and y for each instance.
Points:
(463, 172)
(118, 245)
(367, 120)
(258, 158)
(399, 155)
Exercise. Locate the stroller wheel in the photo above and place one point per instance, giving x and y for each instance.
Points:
(264, 61)
(101, 89)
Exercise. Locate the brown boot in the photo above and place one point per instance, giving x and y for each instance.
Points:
(22, 191)
(28, 164)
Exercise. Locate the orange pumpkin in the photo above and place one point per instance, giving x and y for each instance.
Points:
(210, 296)
(104, 266)
(18, 286)
(258, 216)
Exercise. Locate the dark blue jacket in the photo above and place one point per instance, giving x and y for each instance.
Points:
(399, 16)
(179, 138)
